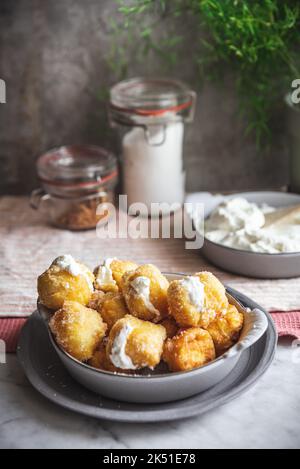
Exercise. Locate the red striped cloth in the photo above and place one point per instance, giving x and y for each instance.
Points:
(10, 329)
(287, 324)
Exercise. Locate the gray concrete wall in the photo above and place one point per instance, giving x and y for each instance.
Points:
(52, 57)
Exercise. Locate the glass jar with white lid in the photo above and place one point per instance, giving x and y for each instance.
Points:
(151, 114)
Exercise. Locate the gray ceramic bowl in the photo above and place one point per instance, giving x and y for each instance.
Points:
(251, 264)
(156, 387)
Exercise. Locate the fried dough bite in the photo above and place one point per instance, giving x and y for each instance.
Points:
(108, 276)
(65, 279)
(145, 293)
(189, 349)
(225, 329)
(113, 308)
(77, 329)
(134, 344)
(215, 298)
(195, 300)
(171, 326)
(101, 361)
(96, 300)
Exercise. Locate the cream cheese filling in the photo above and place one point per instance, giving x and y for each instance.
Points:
(141, 286)
(118, 355)
(70, 265)
(105, 275)
(195, 290)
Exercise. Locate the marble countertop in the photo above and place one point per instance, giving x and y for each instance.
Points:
(267, 416)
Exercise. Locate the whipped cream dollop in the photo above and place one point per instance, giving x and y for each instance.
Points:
(141, 286)
(104, 274)
(118, 355)
(239, 224)
(195, 289)
(70, 265)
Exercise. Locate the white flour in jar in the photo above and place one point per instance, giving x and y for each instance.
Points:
(154, 172)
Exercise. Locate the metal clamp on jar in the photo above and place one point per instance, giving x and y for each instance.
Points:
(155, 111)
(75, 179)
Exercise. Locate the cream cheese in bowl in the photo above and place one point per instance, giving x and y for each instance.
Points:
(239, 224)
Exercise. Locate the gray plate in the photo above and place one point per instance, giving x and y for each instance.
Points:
(48, 375)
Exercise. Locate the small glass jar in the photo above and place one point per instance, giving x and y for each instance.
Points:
(75, 179)
(150, 115)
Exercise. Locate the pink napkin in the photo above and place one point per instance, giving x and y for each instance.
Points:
(287, 324)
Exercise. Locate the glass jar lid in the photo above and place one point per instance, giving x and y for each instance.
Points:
(151, 101)
(74, 169)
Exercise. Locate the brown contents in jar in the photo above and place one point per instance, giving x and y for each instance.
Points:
(82, 215)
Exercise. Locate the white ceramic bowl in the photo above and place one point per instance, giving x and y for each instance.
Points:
(252, 264)
(155, 387)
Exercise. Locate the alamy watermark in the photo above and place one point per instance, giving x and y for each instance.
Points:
(160, 220)
(2, 91)
(295, 96)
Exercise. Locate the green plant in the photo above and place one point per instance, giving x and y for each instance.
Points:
(257, 39)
